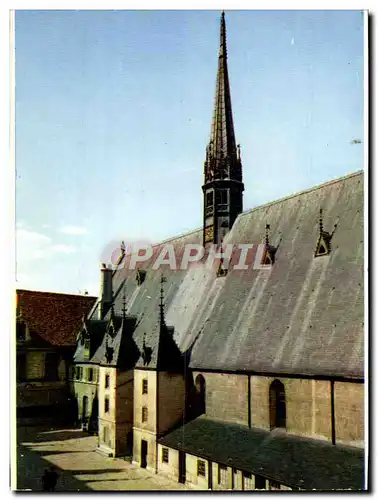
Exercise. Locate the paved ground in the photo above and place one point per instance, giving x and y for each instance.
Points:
(80, 467)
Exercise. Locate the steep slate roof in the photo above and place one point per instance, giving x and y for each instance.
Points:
(53, 318)
(291, 460)
(304, 316)
(96, 329)
(124, 352)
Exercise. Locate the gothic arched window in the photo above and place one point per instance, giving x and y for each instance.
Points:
(201, 393)
(277, 405)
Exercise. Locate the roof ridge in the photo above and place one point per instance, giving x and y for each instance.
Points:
(264, 205)
(56, 293)
(299, 193)
(304, 191)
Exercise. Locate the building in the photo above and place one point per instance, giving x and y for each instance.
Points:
(247, 373)
(45, 335)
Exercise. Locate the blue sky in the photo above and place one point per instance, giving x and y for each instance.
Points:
(113, 114)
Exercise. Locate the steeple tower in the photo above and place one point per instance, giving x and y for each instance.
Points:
(223, 185)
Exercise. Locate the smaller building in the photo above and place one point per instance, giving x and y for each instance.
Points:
(102, 377)
(46, 326)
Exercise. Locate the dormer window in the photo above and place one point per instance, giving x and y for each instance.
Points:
(269, 255)
(140, 276)
(222, 270)
(86, 348)
(323, 246)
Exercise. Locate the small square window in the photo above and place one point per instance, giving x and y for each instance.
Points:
(145, 386)
(165, 455)
(201, 468)
(106, 405)
(106, 381)
(144, 414)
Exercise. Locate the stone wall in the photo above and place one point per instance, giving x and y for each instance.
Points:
(35, 364)
(349, 413)
(170, 469)
(222, 477)
(308, 405)
(150, 438)
(200, 482)
(145, 400)
(226, 396)
(171, 400)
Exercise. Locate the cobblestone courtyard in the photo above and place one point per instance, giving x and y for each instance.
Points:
(80, 467)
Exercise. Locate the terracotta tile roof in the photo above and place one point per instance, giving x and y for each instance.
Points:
(53, 317)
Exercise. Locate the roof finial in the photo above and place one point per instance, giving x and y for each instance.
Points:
(321, 221)
(222, 47)
(161, 305)
(267, 227)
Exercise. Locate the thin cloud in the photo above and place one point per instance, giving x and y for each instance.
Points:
(26, 236)
(62, 248)
(73, 230)
(32, 245)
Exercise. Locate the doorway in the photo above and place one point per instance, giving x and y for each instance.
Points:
(129, 445)
(277, 405)
(143, 454)
(182, 468)
(210, 480)
(85, 413)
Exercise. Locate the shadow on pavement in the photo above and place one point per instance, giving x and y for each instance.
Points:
(30, 468)
(50, 453)
(45, 435)
(95, 471)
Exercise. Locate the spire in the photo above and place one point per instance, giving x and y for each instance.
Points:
(223, 185)
(169, 357)
(222, 46)
(222, 146)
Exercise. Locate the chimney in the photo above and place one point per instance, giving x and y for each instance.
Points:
(106, 292)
